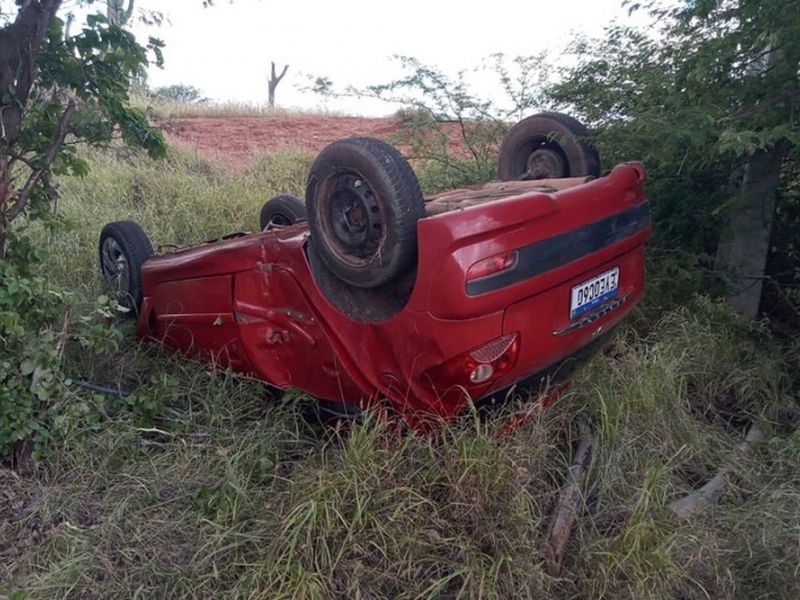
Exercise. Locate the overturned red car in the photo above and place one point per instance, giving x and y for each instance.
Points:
(370, 294)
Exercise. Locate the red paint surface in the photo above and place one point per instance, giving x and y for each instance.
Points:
(252, 303)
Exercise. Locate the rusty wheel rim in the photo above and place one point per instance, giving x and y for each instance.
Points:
(351, 218)
(544, 163)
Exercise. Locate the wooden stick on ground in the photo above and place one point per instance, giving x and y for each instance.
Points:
(570, 502)
(693, 503)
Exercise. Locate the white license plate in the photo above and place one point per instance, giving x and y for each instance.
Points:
(594, 292)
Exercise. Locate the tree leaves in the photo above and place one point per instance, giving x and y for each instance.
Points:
(77, 91)
(711, 84)
(91, 71)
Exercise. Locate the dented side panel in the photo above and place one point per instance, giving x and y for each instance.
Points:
(283, 338)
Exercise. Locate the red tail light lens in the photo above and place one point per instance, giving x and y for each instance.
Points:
(475, 369)
(492, 265)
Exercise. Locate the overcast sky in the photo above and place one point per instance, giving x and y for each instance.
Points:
(225, 50)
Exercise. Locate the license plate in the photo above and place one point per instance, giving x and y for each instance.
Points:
(594, 292)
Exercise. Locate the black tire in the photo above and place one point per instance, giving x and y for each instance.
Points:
(123, 249)
(547, 145)
(281, 211)
(363, 202)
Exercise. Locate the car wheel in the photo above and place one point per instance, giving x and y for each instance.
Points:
(281, 211)
(547, 145)
(124, 247)
(363, 202)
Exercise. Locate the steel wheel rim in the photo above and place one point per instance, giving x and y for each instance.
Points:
(544, 163)
(540, 157)
(277, 221)
(351, 218)
(116, 269)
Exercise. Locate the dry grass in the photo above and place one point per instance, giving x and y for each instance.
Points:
(163, 109)
(225, 493)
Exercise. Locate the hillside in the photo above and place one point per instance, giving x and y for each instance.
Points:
(235, 139)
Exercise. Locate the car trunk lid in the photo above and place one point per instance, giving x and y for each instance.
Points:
(552, 237)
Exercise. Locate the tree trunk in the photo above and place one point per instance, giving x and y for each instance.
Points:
(744, 243)
(273, 83)
(116, 12)
(20, 44)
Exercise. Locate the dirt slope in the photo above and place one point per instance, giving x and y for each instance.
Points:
(235, 138)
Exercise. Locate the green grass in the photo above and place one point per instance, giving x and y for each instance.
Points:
(182, 200)
(204, 485)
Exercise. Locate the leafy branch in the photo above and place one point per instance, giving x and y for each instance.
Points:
(23, 195)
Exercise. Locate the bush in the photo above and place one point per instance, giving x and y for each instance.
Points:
(37, 322)
(178, 92)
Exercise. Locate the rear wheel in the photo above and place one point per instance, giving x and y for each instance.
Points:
(547, 146)
(281, 211)
(363, 202)
(123, 249)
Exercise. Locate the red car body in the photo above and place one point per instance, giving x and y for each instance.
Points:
(252, 303)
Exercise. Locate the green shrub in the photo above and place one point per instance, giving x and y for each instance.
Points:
(38, 321)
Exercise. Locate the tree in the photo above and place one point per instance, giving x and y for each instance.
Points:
(117, 13)
(178, 92)
(273, 83)
(56, 91)
(708, 101)
(20, 46)
(435, 105)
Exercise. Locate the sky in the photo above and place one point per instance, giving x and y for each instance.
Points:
(225, 50)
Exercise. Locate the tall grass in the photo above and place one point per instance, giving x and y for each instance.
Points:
(225, 490)
(165, 109)
(184, 199)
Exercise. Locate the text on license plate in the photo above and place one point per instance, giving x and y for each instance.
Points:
(587, 295)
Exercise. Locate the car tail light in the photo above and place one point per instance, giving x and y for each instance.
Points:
(481, 374)
(477, 367)
(493, 350)
(492, 265)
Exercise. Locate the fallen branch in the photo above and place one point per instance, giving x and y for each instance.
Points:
(690, 505)
(569, 504)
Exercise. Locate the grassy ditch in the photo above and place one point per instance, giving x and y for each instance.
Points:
(202, 484)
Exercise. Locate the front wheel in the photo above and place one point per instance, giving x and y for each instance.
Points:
(281, 211)
(123, 248)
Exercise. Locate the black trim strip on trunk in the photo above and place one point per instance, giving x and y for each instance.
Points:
(564, 248)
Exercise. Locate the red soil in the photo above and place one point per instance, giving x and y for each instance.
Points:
(236, 138)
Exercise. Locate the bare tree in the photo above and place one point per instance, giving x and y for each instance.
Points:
(273, 83)
(117, 13)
